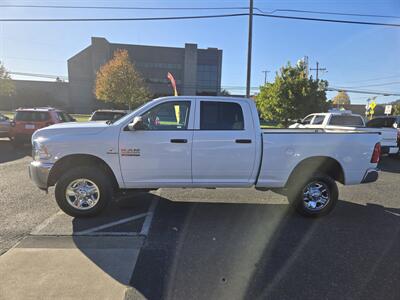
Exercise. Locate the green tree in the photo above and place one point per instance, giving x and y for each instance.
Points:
(396, 109)
(292, 95)
(119, 82)
(7, 87)
(342, 98)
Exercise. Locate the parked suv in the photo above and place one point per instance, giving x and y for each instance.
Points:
(28, 120)
(107, 115)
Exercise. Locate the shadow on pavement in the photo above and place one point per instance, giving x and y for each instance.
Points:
(390, 164)
(259, 251)
(10, 153)
(249, 251)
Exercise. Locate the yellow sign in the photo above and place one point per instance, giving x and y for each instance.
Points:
(372, 105)
(177, 113)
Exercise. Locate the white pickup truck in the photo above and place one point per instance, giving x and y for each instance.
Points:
(198, 142)
(346, 120)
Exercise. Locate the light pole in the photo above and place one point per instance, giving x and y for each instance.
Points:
(249, 49)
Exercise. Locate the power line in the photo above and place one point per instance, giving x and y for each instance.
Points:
(125, 19)
(327, 13)
(363, 92)
(196, 8)
(329, 20)
(198, 17)
(121, 7)
(377, 84)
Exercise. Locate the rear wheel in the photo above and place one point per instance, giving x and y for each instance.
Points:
(314, 196)
(83, 191)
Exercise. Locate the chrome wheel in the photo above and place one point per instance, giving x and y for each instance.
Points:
(316, 196)
(82, 194)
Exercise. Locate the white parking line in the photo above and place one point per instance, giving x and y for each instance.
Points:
(91, 230)
(46, 222)
(149, 218)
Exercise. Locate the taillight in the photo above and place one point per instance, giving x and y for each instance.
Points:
(376, 154)
(398, 138)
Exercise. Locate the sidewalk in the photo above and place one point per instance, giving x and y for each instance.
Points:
(69, 267)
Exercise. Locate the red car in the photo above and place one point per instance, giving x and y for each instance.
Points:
(28, 120)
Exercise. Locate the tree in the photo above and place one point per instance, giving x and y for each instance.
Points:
(7, 87)
(119, 82)
(342, 98)
(224, 92)
(292, 95)
(396, 109)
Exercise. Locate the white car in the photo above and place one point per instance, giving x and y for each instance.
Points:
(345, 120)
(198, 142)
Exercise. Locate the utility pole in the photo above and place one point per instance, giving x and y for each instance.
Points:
(249, 49)
(317, 69)
(265, 75)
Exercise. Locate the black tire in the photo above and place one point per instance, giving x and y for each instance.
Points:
(296, 193)
(96, 175)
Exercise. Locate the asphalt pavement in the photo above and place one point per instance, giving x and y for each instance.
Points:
(225, 243)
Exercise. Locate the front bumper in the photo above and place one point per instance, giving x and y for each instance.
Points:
(39, 173)
(370, 176)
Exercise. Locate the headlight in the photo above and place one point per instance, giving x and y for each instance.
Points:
(40, 151)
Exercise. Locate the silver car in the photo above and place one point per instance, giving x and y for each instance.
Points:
(4, 126)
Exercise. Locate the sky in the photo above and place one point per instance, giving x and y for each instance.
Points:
(355, 56)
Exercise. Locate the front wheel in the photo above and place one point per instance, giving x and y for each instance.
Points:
(83, 191)
(314, 196)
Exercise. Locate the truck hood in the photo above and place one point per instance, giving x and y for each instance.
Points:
(84, 128)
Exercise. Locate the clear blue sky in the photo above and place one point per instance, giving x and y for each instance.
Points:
(352, 54)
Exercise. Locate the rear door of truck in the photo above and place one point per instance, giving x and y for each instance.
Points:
(224, 143)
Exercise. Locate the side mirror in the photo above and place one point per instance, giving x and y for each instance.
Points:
(137, 124)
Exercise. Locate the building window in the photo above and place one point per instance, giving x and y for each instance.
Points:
(207, 79)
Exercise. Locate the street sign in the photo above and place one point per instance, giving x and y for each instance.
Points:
(372, 105)
(388, 109)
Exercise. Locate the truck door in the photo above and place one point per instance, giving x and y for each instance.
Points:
(223, 143)
(159, 155)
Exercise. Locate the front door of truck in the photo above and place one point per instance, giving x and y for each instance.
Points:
(159, 154)
(224, 143)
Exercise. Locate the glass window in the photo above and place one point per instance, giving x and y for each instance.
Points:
(31, 116)
(221, 116)
(307, 120)
(318, 120)
(343, 120)
(167, 116)
(375, 123)
(64, 117)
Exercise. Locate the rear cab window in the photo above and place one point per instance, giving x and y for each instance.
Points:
(216, 115)
(346, 120)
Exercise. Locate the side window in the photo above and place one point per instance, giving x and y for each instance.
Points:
(318, 120)
(167, 116)
(221, 116)
(307, 120)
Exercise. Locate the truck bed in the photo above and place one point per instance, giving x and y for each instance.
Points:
(284, 149)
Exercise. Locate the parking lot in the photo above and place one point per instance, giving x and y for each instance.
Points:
(206, 244)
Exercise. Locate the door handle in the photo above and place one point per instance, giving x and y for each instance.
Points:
(180, 141)
(244, 141)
